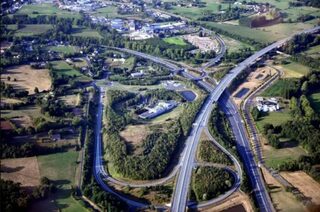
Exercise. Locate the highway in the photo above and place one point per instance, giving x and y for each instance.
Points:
(184, 177)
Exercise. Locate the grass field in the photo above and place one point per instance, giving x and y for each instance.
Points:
(313, 52)
(315, 101)
(64, 49)
(277, 88)
(274, 157)
(34, 10)
(63, 68)
(264, 34)
(294, 70)
(196, 12)
(82, 32)
(176, 41)
(61, 168)
(30, 29)
(234, 45)
(275, 118)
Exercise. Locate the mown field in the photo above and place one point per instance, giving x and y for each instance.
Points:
(83, 32)
(275, 118)
(35, 10)
(63, 68)
(176, 41)
(61, 168)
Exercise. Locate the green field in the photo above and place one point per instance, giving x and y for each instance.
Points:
(176, 41)
(313, 52)
(30, 29)
(61, 168)
(278, 88)
(275, 118)
(109, 12)
(65, 49)
(315, 101)
(63, 68)
(234, 45)
(274, 157)
(197, 12)
(82, 32)
(34, 10)
(295, 70)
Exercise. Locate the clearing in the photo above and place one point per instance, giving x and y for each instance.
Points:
(315, 101)
(84, 32)
(234, 45)
(134, 134)
(26, 78)
(276, 118)
(61, 168)
(22, 170)
(64, 49)
(283, 200)
(308, 186)
(176, 41)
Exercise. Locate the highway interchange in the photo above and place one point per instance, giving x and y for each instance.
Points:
(187, 161)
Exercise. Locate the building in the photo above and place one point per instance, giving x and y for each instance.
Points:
(267, 105)
(137, 74)
(160, 108)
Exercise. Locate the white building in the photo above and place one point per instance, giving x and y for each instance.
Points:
(268, 105)
(160, 108)
(137, 74)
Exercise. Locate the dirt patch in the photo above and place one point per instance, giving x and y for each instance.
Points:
(238, 200)
(21, 170)
(134, 135)
(22, 121)
(26, 78)
(302, 181)
(254, 80)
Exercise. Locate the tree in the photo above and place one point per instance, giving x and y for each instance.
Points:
(36, 90)
(255, 113)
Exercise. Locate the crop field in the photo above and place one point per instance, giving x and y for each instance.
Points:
(294, 70)
(22, 170)
(61, 168)
(315, 101)
(26, 78)
(30, 29)
(64, 49)
(176, 41)
(34, 10)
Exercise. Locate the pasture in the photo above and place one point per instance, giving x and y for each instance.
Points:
(294, 70)
(63, 68)
(64, 49)
(26, 78)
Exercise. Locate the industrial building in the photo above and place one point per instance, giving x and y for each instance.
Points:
(158, 109)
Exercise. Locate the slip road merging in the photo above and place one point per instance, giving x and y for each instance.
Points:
(183, 181)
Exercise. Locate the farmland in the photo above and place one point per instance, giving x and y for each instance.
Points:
(64, 49)
(26, 78)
